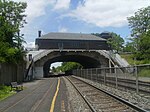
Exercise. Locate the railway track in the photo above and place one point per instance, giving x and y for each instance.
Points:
(101, 101)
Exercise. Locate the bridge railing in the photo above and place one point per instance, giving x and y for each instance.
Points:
(137, 80)
(115, 57)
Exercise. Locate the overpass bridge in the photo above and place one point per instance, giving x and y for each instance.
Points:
(88, 50)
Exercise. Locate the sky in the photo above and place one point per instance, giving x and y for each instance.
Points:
(78, 16)
(75, 16)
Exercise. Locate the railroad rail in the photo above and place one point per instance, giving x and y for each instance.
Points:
(101, 101)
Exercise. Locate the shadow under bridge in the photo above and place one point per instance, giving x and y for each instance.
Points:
(85, 61)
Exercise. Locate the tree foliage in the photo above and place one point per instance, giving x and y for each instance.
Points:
(12, 18)
(68, 66)
(140, 31)
(129, 47)
(54, 69)
(96, 34)
(116, 42)
(140, 22)
(144, 44)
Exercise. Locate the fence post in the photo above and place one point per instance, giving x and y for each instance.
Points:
(104, 76)
(137, 82)
(116, 79)
(96, 75)
(83, 72)
(91, 74)
(78, 73)
(87, 74)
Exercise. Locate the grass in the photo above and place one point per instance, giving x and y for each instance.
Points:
(130, 59)
(144, 73)
(5, 91)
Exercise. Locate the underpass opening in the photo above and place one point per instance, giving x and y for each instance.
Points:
(65, 68)
(54, 67)
(85, 61)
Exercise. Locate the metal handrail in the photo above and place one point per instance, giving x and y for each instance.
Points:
(28, 69)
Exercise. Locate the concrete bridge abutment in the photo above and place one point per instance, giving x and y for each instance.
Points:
(38, 72)
(88, 59)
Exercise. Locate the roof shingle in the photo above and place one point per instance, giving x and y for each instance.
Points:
(70, 36)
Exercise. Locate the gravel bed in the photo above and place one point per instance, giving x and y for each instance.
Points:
(75, 101)
(137, 99)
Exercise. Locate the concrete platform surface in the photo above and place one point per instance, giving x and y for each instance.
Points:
(45, 95)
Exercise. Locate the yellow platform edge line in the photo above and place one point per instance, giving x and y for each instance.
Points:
(55, 96)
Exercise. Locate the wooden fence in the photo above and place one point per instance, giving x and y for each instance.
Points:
(11, 72)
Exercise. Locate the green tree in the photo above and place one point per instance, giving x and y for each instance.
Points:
(144, 45)
(116, 42)
(12, 18)
(53, 69)
(96, 34)
(140, 28)
(129, 47)
(140, 22)
(67, 66)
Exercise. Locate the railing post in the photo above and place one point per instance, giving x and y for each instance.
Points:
(116, 79)
(91, 74)
(137, 82)
(110, 67)
(87, 74)
(105, 76)
(78, 73)
(96, 75)
(83, 73)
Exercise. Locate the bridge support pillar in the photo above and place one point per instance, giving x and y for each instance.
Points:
(39, 72)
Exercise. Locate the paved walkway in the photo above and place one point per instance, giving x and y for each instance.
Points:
(45, 95)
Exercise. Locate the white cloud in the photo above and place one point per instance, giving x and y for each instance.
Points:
(29, 45)
(56, 64)
(62, 4)
(62, 29)
(36, 8)
(106, 13)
